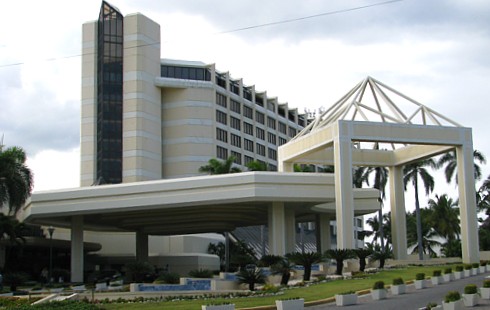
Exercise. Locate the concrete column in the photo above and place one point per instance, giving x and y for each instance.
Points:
(290, 224)
(277, 229)
(285, 166)
(467, 200)
(344, 197)
(141, 246)
(77, 249)
(398, 215)
(323, 238)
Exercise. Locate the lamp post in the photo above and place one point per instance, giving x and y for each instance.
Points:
(51, 231)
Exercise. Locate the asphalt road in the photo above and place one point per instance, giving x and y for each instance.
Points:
(415, 299)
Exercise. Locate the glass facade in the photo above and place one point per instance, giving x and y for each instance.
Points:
(109, 94)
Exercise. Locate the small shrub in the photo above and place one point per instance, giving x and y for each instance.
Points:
(420, 276)
(483, 263)
(470, 289)
(168, 278)
(486, 283)
(436, 273)
(430, 305)
(347, 293)
(475, 265)
(467, 267)
(359, 275)
(452, 296)
(448, 270)
(398, 281)
(270, 288)
(459, 268)
(201, 273)
(378, 285)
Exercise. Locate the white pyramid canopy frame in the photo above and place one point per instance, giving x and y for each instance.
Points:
(373, 112)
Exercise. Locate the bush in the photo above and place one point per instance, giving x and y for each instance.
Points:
(14, 279)
(138, 271)
(436, 273)
(62, 305)
(378, 285)
(470, 289)
(486, 283)
(459, 268)
(347, 293)
(475, 265)
(420, 276)
(168, 278)
(201, 273)
(270, 289)
(398, 281)
(483, 263)
(452, 296)
(448, 270)
(467, 267)
(430, 305)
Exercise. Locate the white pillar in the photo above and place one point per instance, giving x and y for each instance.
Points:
(467, 200)
(344, 198)
(141, 246)
(290, 226)
(398, 213)
(277, 229)
(77, 248)
(322, 226)
(285, 166)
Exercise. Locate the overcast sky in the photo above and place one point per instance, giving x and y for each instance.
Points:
(436, 52)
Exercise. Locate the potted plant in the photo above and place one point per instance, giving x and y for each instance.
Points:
(470, 296)
(436, 277)
(483, 266)
(419, 281)
(458, 274)
(475, 268)
(223, 306)
(398, 287)
(452, 301)
(378, 292)
(290, 304)
(432, 306)
(467, 270)
(346, 298)
(448, 274)
(485, 289)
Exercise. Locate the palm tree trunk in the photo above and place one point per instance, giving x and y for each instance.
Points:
(419, 220)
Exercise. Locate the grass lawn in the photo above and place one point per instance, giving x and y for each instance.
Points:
(311, 293)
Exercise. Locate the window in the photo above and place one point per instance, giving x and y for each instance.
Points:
(282, 128)
(260, 149)
(238, 157)
(235, 123)
(235, 106)
(221, 117)
(271, 106)
(221, 152)
(248, 128)
(221, 135)
(221, 100)
(271, 123)
(221, 80)
(272, 153)
(271, 138)
(272, 167)
(248, 145)
(282, 141)
(248, 112)
(248, 159)
(260, 133)
(259, 117)
(235, 87)
(292, 132)
(188, 73)
(236, 140)
(259, 100)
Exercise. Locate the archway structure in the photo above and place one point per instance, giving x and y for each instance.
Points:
(406, 131)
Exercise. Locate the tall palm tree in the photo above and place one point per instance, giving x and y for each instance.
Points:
(16, 180)
(444, 217)
(450, 161)
(411, 173)
(483, 197)
(216, 166)
(429, 235)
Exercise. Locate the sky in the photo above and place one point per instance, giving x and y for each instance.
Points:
(436, 52)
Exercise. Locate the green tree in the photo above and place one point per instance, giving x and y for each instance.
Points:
(411, 174)
(450, 161)
(16, 180)
(216, 166)
(362, 255)
(444, 217)
(256, 165)
(303, 168)
(483, 197)
(452, 248)
(306, 260)
(251, 277)
(380, 254)
(428, 234)
(339, 255)
(283, 267)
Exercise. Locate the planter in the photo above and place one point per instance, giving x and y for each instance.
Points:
(378, 294)
(474, 271)
(438, 307)
(458, 275)
(470, 300)
(79, 288)
(454, 305)
(483, 269)
(419, 284)
(436, 280)
(56, 290)
(218, 307)
(467, 273)
(290, 304)
(101, 286)
(398, 289)
(488, 267)
(447, 277)
(346, 299)
(485, 292)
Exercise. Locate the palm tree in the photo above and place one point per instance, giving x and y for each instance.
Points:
(283, 268)
(251, 277)
(450, 161)
(216, 166)
(256, 165)
(380, 254)
(362, 254)
(339, 255)
(444, 218)
(411, 173)
(375, 231)
(483, 196)
(306, 260)
(303, 168)
(16, 180)
(428, 234)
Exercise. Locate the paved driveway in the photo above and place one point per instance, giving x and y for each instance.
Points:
(415, 299)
